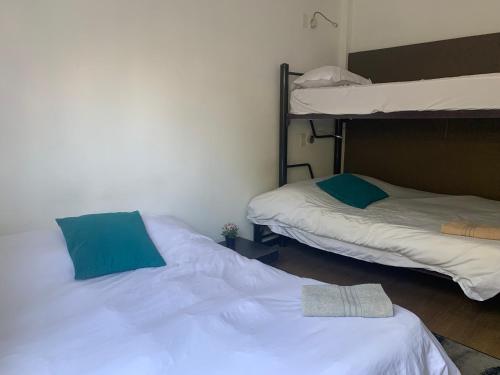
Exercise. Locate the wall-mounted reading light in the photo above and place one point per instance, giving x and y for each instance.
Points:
(314, 20)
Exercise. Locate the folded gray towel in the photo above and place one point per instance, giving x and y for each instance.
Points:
(368, 301)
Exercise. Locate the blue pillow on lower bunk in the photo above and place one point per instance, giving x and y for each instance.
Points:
(103, 244)
(352, 190)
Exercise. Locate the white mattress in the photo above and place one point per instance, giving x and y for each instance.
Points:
(402, 230)
(209, 311)
(474, 92)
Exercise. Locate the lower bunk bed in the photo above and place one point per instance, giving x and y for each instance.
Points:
(403, 230)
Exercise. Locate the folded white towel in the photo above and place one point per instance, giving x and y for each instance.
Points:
(368, 301)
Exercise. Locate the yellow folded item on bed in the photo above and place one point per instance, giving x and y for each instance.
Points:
(471, 230)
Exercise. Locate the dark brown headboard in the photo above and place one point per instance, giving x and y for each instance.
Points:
(444, 156)
(444, 58)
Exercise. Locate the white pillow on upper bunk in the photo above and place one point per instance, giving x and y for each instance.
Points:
(330, 76)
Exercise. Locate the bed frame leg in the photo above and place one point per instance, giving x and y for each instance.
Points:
(283, 151)
(257, 233)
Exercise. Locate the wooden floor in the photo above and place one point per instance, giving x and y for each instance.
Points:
(440, 303)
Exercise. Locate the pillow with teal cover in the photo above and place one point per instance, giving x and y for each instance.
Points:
(102, 244)
(352, 190)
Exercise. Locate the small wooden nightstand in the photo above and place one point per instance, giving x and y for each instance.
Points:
(253, 250)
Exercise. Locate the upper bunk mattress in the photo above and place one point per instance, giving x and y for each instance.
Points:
(403, 229)
(476, 92)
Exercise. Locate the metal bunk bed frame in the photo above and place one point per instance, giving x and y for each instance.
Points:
(342, 120)
(340, 123)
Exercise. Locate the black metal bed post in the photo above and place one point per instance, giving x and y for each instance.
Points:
(257, 233)
(283, 151)
(337, 156)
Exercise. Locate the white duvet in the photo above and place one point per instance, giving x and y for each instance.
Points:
(402, 230)
(209, 311)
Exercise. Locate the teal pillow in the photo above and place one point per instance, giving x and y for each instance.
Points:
(103, 244)
(352, 190)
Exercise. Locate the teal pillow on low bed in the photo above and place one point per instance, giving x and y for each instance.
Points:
(103, 244)
(352, 190)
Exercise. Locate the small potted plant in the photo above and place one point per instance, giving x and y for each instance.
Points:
(230, 232)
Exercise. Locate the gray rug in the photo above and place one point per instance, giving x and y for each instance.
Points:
(468, 360)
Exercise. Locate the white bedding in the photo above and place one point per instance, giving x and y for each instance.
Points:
(209, 311)
(402, 230)
(474, 92)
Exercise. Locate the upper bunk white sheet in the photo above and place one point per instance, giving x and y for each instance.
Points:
(209, 311)
(402, 230)
(476, 92)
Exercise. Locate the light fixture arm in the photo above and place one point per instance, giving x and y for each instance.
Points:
(314, 21)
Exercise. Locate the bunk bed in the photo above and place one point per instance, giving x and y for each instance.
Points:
(472, 92)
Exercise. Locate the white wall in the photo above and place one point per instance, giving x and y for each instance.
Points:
(163, 106)
(389, 23)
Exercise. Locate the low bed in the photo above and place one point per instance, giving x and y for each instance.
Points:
(402, 230)
(208, 311)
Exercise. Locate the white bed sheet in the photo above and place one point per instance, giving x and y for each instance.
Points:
(209, 311)
(402, 230)
(474, 92)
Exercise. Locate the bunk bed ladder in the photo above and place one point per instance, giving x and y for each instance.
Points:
(262, 234)
(283, 134)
